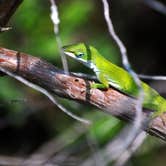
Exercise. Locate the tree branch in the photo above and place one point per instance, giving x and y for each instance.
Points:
(76, 88)
(7, 9)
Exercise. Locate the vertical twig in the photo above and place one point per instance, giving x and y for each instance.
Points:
(138, 119)
(56, 21)
(124, 157)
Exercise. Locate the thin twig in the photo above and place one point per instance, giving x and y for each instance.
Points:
(155, 77)
(124, 157)
(56, 21)
(138, 119)
(46, 93)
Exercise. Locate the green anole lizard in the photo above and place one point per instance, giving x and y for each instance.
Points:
(111, 74)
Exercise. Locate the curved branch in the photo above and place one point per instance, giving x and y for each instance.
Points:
(46, 75)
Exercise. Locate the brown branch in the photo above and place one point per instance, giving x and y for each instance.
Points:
(72, 87)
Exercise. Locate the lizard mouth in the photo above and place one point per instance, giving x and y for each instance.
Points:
(71, 54)
(68, 52)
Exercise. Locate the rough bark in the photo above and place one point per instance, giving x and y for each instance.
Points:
(73, 87)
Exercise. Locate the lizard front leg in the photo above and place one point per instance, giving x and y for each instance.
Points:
(104, 82)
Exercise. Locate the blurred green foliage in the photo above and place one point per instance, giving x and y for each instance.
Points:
(105, 128)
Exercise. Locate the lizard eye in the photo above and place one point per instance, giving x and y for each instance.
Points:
(79, 55)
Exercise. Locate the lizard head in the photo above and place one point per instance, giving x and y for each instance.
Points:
(81, 52)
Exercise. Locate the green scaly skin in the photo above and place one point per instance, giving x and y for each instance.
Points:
(111, 74)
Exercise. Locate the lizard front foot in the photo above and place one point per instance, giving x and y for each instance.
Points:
(98, 86)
